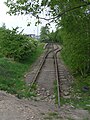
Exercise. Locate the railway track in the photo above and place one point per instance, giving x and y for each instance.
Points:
(48, 71)
(57, 75)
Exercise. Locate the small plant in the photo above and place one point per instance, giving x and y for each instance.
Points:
(70, 119)
(52, 116)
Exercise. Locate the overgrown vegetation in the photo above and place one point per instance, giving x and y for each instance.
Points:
(76, 43)
(12, 75)
(81, 93)
(47, 36)
(15, 45)
(44, 34)
(73, 27)
(18, 52)
(72, 18)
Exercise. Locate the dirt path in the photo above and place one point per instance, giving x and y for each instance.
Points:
(12, 108)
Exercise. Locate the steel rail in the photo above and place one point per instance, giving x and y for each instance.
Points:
(57, 76)
(40, 67)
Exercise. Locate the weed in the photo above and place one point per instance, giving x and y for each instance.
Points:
(70, 119)
(42, 113)
(55, 92)
(48, 118)
(52, 114)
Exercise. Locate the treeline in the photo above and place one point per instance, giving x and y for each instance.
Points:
(47, 36)
(16, 45)
(75, 33)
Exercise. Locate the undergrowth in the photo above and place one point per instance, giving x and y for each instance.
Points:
(12, 74)
(80, 92)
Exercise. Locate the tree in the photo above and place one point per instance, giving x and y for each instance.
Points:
(44, 34)
(55, 36)
(76, 39)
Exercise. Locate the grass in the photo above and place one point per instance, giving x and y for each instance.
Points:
(79, 97)
(12, 75)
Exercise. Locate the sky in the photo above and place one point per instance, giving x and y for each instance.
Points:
(20, 21)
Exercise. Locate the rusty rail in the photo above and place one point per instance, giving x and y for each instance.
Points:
(41, 65)
(57, 76)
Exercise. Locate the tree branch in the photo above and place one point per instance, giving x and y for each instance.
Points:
(71, 9)
(60, 14)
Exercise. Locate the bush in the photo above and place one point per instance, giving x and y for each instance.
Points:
(16, 46)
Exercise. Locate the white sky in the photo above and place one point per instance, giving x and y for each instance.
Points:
(20, 21)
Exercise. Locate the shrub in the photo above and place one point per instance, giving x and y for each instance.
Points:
(14, 45)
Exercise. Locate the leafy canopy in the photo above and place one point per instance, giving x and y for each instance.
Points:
(56, 8)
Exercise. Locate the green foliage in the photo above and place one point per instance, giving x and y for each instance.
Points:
(73, 21)
(11, 79)
(35, 7)
(52, 116)
(12, 75)
(14, 45)
(80, 98)
(55, 37)
(44, 34)
(75, 34)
